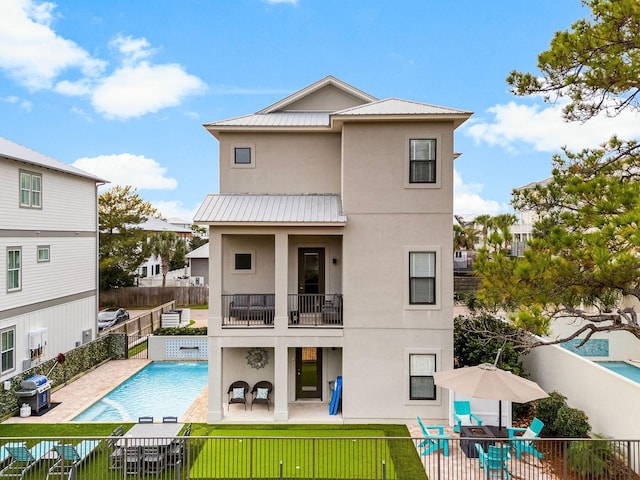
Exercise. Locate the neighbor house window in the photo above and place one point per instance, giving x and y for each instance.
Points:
(243, 262)
(43, 253)
(422, 278)
(242, 156)
(30, 190)
(421, 369)
(8, 349)
(422, 161)
(14, 268)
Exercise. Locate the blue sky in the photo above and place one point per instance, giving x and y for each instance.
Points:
(121, 88)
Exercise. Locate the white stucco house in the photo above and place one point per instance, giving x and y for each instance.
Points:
(49, 251)
(151, 268)
(330, 254)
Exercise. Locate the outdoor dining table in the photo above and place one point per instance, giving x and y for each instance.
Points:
(150, 434)
(145, 436)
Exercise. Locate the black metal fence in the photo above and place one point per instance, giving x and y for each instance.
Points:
(365, 458)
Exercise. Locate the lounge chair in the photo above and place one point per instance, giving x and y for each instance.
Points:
(494, 461)
(433, 441)
(4, 453)
(261, 392)
(237, 393)
(463, 416)
(521, 439)
(170, 419)
(145, 419)
(70, 457)
(23, 459)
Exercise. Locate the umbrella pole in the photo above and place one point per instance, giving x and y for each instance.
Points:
(499, 414)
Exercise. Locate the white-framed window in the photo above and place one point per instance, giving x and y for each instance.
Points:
(244, 262)
(14, 269)
(44, 252)
(243, 155)
(8, 349)
(422, 278)
(421, 369)
(30, 190)
(422, 160)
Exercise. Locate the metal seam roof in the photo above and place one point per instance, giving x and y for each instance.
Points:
(271, 208)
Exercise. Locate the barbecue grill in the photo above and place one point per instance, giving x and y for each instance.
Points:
(36, 391)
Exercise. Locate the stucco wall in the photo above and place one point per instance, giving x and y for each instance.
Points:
(609, 400)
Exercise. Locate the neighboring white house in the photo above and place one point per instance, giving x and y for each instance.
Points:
(331, 255)
(198, 267)
(49, 250)
(151, 268)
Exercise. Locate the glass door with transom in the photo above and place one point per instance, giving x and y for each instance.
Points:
(309, 373)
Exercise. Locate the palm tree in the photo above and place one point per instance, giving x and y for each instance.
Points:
(486, 222)
(162, 246)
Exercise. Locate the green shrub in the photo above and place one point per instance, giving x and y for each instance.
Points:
(547, 410)
(522, 411)
(571, 423)
(180, 331)
(590, 458)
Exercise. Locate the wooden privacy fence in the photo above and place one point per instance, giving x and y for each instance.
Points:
(142, 297)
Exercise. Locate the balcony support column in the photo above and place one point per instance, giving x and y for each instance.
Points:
(281, 375)
(281, 282)
(215, 282)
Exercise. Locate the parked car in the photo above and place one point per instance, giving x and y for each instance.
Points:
(108, 317)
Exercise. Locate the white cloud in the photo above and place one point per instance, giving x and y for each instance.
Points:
(32, 53)
(133, 91)
(128, 169)
(174, 209)
(35, 56)
(468, 202)
(544, 128)
(24, 104)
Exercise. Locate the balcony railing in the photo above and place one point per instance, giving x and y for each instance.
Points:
(370, 458)
(311, 310)
(248, 309)
(257, 310)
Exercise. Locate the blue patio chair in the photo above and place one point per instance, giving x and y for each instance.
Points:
(70, 457)
(463, 416)
(24, 459)
(521, 439)
(494, 461)
(433, 441)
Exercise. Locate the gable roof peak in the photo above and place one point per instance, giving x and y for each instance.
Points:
(329, 80)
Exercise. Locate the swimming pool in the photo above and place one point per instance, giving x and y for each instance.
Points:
(159, 389)
(623, 368)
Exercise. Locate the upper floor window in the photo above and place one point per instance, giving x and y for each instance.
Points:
(422, 278)
(421, 383)
(14, 268)
(43, 253)
(243, 262)
(30, 190)
(242, 156)
(422, 160)
(8, 349)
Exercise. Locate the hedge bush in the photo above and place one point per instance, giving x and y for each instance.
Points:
(571, 423)
(547, 410)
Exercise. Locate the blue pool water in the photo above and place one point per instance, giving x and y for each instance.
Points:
(160, 389)
(623, 368)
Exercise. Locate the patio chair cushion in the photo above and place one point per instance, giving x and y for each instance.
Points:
(528, 433)
(262, 393)
(465, 419)
(238, 393)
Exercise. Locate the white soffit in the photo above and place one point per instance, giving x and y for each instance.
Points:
(320, 209)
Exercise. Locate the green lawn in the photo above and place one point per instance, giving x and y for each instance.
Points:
(315, 452)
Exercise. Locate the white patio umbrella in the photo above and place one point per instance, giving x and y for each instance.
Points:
(488, 381)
